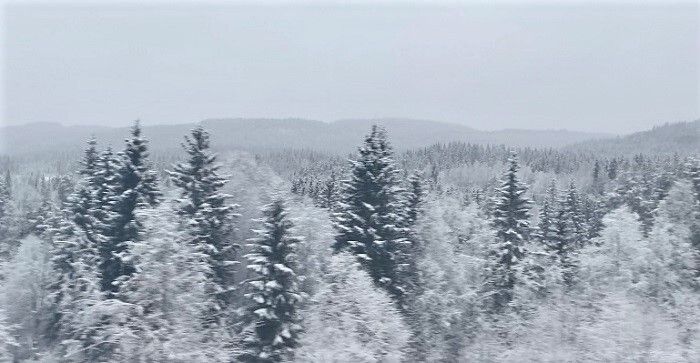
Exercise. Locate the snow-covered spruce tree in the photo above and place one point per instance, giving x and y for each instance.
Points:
(330, 193)
(272, 330)
(562, 249)
(410, 252)
(350, 319)
(640, 198)
(593, 211)
(135, 186)
(61, 237)
(106, 185)
(546, 231)
(44, 189)
(662, 183)
(415, 197)
(568, 234)
(90, 159)
(105, 176)
(43, 219)
(511, 216)
(573, 213)
(106, 182)
(370, 219)
(81, 202)
(75, 289)
(207, 218)
(543, 243)
(598, 185)
(80, 208)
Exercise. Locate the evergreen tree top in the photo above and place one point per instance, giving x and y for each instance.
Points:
(571, 197)
(136, 149)
(414, 199)
(198, 177)
(275, 231)
(135, 175)
(374, 171)
(90, 158)
(376, 149)
(511, 207)
(201, 161)
(548, 212)
(273, 322)
(199, 139)
(105, 171)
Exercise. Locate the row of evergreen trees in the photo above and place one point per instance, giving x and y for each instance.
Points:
(109, 267)
(375, 215)
(100, 297)
(114, 275)
(524, 255)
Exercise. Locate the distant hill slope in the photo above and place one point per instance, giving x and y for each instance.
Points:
(682, 138)
(254, 134)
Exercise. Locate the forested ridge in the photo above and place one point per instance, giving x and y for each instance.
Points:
(452, 252)
(259, 134)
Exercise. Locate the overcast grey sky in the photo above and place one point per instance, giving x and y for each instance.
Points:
(612, 68)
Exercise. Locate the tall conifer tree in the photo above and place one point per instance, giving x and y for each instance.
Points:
(370, 222)
(273, 323)
(573, 213)
(546, 232)
(134, 186)
(82, 201)
(414, 198)
(207, 216)
(511, 216)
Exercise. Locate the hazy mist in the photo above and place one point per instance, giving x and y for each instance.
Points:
(613, 68)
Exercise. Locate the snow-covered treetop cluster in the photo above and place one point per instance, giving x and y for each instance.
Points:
(449, 253)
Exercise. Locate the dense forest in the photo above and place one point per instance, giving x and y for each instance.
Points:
(451, 252)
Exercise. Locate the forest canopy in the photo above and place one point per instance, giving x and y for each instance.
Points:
(450, 252)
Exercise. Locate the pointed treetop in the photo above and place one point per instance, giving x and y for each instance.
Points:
(200, 136)
(376, 140)
(90, 158)
(136, 129)
(273, 322)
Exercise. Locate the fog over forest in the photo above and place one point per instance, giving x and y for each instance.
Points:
(475, 227)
